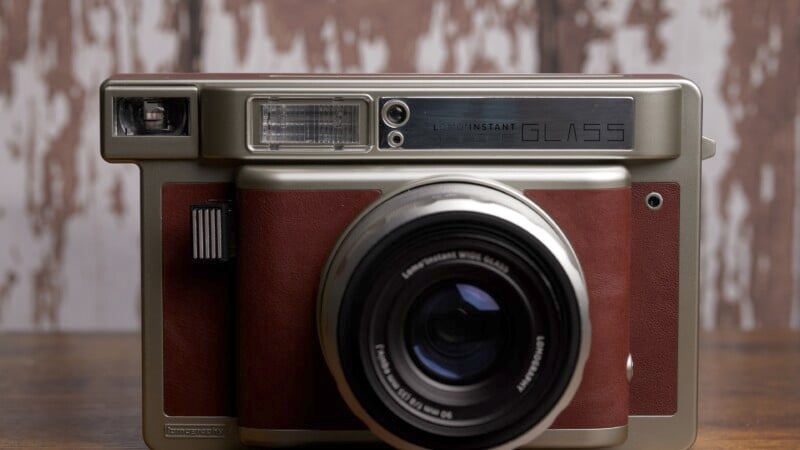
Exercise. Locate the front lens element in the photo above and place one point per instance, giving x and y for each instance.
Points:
(455, 333)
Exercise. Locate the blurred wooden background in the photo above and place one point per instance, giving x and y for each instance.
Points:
(69, 222)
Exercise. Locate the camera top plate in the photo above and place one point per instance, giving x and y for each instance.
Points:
(444, 117)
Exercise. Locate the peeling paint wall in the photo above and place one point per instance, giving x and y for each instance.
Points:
(69, 222)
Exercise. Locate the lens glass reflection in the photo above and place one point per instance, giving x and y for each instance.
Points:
(456, 333)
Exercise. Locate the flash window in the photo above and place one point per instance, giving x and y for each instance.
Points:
(293, 123)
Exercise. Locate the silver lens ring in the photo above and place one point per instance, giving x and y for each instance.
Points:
(415, 202)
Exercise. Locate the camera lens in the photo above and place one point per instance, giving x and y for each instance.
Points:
(453, 315)
(461, 312)
(456, 332)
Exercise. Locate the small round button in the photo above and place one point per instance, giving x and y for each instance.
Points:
(395, 139)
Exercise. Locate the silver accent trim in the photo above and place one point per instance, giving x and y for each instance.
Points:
(538, 124)
(218, 216)
(195, 224)
(708, 148)
(423, 198)
(296, 438)
(200, 234)
(195, 431)
(310, 177)
(213, 233)
(580, 438)
(551, 438)
(206, 233)
(206, 236)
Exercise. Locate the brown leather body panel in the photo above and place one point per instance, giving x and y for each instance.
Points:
(285, 238)
(597, 224)
(654, 309)
(287, 386)
(198, 306)
(284, 385)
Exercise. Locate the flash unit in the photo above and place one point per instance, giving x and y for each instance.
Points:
(289, 123)
(318, 124)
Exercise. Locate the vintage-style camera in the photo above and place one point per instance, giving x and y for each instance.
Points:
(447, 262)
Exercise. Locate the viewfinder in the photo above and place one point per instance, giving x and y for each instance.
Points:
(141, 116)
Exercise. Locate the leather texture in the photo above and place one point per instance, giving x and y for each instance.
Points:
(198, 306)
(654, 308)
(597, 224)
(285, 238)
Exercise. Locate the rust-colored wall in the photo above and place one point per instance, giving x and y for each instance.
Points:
(69, 222)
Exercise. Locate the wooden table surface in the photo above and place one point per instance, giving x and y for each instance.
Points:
(83, 391)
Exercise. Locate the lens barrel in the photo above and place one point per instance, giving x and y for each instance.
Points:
(453, 316)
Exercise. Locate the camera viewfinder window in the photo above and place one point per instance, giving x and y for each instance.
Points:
(138, 116)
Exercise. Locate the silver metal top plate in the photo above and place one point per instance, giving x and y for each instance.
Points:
(479, 123)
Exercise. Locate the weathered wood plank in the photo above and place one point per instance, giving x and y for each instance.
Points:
(69, 222)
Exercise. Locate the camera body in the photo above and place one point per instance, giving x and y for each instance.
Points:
(431, 261)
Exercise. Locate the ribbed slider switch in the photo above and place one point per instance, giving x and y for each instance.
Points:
(212, 232)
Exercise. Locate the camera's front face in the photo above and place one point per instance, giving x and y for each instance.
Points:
(432, 262)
